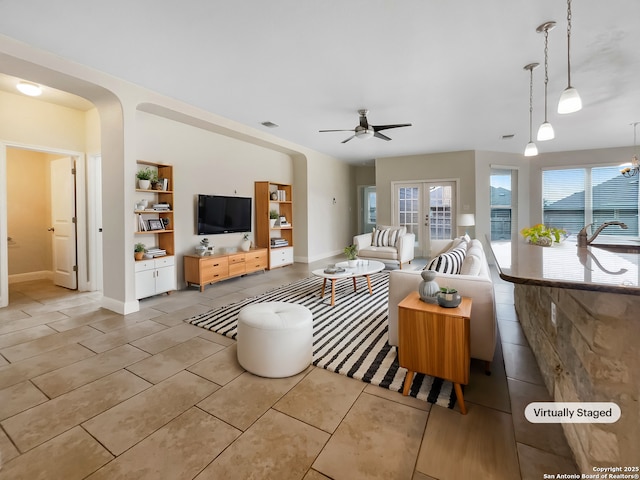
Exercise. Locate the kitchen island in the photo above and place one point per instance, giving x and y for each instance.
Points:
(580, 311)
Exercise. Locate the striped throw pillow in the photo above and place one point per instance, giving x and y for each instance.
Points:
(449, 262)
(384, 238)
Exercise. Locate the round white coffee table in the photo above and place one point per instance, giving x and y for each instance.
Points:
(364, 268)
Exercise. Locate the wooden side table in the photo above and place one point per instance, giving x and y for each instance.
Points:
(435, 341)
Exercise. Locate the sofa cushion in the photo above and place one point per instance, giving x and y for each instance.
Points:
(471, 264)
(449, 262)
(382, 253)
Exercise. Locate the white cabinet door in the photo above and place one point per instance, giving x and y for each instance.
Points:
(145, 283)
(165, 279)
(281, 256)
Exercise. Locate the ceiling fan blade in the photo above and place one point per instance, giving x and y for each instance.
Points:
(377, 128)
(381, 136)
(348, 130)
(345, 141)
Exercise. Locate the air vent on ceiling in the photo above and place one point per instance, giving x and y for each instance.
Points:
(508, 137)
(270, 124)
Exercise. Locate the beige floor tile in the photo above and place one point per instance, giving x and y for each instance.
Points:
(378, 439)
(70, 456)
(315, 475)
(479, 445)
(221, 367)
(534, 463)
(180, 449)
(114, 323)
(26, 335)
(41, 423)
(397, 397)
(3, 361)
(90, 317)
(422, 476)
(167, 338)
(28, 322)
(511, 332)
(48, 343)
(245, 399)
(126, 424)
(11, 314)
(32, 367)
(544, 436)
(123, 335)
(19, 397)
(321, 399)
(276, 447)
(179, 316)
(65, 379)
(506, 311)
(520, 363)
(7, 449)
(489, 390)
(175, 359)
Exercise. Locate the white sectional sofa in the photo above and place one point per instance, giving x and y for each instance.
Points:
(386, 244)
(474, 281)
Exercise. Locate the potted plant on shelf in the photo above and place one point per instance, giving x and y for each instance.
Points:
(352, 254)
(138, 251)
(144, 178)
(273, 216)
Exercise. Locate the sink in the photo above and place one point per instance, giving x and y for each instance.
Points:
(618, 244)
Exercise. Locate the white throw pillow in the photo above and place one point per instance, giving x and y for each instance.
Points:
(471, 264)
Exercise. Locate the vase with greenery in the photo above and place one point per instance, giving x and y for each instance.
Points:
(449, 297)
(273, 216)
(138, 251)
(245, 246)
(203, 247)
(542, 235)
(351, 252)
(144, 178)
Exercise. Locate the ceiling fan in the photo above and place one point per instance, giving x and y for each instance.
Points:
(364, 130)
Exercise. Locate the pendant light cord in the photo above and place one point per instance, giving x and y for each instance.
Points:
(546, 69)
(531, 105)
(568, 43)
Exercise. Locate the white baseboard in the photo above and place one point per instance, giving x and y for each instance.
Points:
(123, 308)
(30, 276)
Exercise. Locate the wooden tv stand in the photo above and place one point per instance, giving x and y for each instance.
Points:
(221, 266)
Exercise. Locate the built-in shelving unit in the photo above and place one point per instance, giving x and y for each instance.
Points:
(155, 228)
(276, 238)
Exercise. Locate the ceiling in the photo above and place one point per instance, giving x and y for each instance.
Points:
(454, 69)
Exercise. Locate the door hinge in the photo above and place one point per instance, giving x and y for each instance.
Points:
(73, 170)
(73, 219)
(75, 268)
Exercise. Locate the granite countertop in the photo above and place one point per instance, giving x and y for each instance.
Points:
(565, 265)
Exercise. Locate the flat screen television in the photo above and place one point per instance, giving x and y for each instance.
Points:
(223, 214)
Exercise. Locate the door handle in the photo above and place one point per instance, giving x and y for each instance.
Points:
(51, 229)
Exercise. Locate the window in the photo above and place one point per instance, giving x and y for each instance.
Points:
(573, 198)
(501, 212)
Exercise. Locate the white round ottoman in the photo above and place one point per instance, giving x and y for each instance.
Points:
(275, 339)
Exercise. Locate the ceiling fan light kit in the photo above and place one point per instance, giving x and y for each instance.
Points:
(365, 131)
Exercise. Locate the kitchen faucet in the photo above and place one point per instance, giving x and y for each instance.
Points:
(582, 236)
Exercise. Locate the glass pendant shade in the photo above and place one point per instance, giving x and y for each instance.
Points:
(570, 101)
(545, 132)
(531, 150)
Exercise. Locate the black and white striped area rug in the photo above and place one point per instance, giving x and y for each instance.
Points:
(349, 338)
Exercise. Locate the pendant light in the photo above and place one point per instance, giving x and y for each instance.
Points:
(531, 150)
(632, 169)
(570, 100)
(545, 132)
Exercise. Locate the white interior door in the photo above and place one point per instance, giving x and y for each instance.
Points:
(63, 227)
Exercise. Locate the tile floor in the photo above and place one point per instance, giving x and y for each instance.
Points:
(87, 393)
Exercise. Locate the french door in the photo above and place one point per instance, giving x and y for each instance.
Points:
(428, 210)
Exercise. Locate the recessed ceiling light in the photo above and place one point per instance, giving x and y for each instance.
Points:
(270, 124)
(30, 89)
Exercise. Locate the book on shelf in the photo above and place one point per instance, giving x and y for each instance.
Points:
(161, 207)
(279, 242)
(156, 252)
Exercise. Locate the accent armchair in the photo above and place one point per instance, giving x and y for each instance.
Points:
(386, 244)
